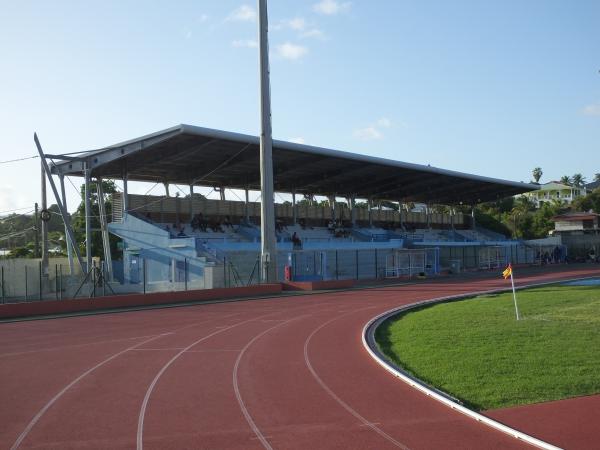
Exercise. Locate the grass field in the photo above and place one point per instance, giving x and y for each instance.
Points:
(476, 351)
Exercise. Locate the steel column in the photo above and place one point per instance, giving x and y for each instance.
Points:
(44, 266)
(63, 211)
(88, 220)
(70, 244)
(267, 223)
(104, 229)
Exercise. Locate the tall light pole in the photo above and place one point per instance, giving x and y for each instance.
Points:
(267, 208)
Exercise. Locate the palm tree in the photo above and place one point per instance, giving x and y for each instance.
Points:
(578, 180)
(597, 177)
(537, 174)
(566, 179)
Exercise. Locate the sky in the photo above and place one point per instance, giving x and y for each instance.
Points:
(490, 88)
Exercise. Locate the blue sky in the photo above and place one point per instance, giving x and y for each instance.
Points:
(491, 88)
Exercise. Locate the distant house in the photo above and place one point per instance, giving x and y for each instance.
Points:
(555, 191)
(577, 223)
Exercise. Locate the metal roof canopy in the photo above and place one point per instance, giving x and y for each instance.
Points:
(192, 155)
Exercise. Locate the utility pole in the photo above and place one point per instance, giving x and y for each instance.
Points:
(36, 221)
(267, 208)
(44, 225)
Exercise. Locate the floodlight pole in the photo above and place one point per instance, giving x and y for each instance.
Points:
(267, 208)
(44, 265)
(88, 219)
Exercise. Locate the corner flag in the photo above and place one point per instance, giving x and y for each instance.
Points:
(508, 272)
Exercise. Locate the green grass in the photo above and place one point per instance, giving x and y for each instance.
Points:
(476, 351)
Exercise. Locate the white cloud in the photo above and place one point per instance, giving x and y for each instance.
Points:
(313, 33)
(330, 7)
(368, 134)
(297, 23)
(203, 18)
(297, 140)
(242, 13)
(384, 122)
(592, 110)
(374, 131)
(244, 43)
(291, 51)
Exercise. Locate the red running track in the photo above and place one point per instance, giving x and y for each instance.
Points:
(287, 373)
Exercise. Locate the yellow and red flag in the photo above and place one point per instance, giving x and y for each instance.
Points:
(507, 272)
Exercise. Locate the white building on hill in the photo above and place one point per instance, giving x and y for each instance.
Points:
(555, 191)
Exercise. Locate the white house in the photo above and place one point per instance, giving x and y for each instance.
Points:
(555, 191)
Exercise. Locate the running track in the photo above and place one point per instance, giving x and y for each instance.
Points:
(286, 373)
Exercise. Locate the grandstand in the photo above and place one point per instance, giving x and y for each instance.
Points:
(204, 242)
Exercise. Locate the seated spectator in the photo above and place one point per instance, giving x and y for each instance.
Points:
(181, 233)
(227, 222)
(296, 242)
(216, 227)
(330, 226)
(195, 223)
(302, 223)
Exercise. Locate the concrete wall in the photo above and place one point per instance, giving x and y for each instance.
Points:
(176, 209)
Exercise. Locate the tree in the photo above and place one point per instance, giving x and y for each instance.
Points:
(578, 180)
(566, 179)
(597, 177)
(109, 187)
(588, 202)
(537, 174)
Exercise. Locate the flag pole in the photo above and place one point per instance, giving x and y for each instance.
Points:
(512, 281)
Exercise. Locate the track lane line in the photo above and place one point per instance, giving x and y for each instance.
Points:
(144, 406)
(236, 387)
(346, 406)
(54, 399)
(40, 413)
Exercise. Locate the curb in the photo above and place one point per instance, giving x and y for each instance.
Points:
(368, 340)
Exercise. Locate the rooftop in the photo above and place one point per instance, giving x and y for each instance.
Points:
(192, 155)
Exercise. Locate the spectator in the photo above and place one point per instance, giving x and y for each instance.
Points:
(296, 242)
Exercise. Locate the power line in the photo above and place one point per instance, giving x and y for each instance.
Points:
(4, 219)
(18, 233)
(16, 209)
(18, 159)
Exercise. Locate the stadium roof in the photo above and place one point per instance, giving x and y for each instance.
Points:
(188, 155)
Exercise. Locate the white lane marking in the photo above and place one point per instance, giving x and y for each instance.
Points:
(327, 389)
(42, 411)
(171, 349)
(53, 400)
(140, 430)
(52, 349)
(236, 386)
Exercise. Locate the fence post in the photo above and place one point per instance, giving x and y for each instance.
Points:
(56, 281)
(2, 281)
(103, 276)
(26, 284)
(185, 272)
(144, 273)
(224, 271)
(93, 278)
(357, 264)
(376, 267)
(336, 266)
(40, 272)
(61, 283)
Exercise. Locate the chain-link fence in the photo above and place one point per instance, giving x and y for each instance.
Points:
(23, 280)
